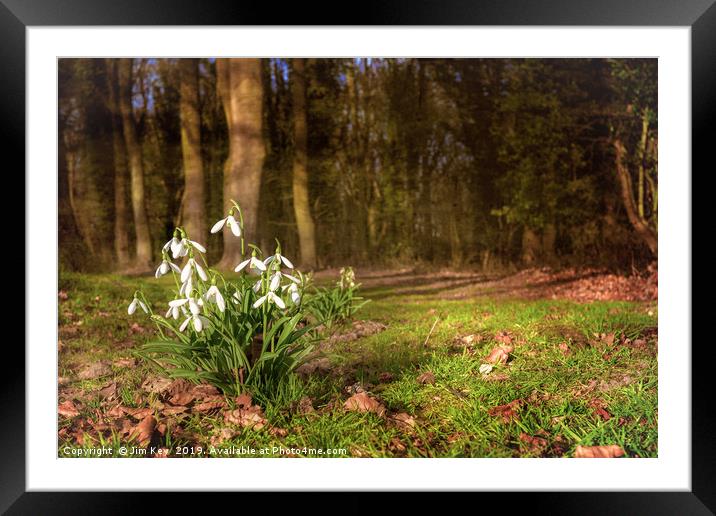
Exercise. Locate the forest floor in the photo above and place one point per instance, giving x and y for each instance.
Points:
(402, 380)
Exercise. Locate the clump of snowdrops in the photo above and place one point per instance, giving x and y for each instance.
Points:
(249, 332)
(331, 307)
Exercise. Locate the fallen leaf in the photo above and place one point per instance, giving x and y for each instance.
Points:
(599, 452)
(251, 417)
(116, 412)
(144, 430)
(564, 348)
(138, 413)
(209, 404)
(67, 409)
(94, 370)
(171, 411)
(396, 445)
(503, 337)
(385, 377)
(243, 400)
(533, 444)
(599, 408)
(305, 406)
(426, 378)
(62, 295)
(109, 392)
(507, 412)
(278, 432)
(362, 402)
(499, 355)
(404, 420)
(182, 398)
(135, 328)
(125, 362)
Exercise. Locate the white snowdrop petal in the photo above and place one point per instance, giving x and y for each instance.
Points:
(275, 281)
(144, 307)
(257, 286)
(260, 301)
(186, 271)
(158, 272)
(175, 312)
(220, 301)
(217, 227)
(201, 272)
(198, 325)
(132, 307)
(164, 267)
(292, 278)
(279, 302)
(287, 262)
(169, 312)
(194, 307)
(234, 225)
(198, 246)
(241, 266)
(295, 297)
(258, 264)
(269, 259)
(178, 302)
(174, 267)
(184, 324)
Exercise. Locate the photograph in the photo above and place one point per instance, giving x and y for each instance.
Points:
(357, 257)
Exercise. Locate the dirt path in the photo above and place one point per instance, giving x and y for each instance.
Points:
(574, 284)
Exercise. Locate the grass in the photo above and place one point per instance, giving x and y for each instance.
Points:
(557, 392)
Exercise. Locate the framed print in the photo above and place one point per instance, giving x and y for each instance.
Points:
(426, 247)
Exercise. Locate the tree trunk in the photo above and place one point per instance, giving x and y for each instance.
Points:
(194, 198)
(301, 205)
(646, 233)
(530, 246)
(121, 207)
(241, 90)
(134, 151)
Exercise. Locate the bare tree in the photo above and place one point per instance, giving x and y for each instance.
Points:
(240, 88)
(194, 194)
(134, 152)
(301, 205)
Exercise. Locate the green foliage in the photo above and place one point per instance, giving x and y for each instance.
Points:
(333, 306)
(247, 334)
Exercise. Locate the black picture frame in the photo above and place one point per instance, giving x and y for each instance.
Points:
(700, 15)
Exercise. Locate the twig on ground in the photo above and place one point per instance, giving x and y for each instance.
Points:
(425, 344)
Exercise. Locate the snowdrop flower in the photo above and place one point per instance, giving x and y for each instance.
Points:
(279, 258)
(165, 267)
(133, 306)
(275, 281)
(213, 294)
(295, 296)
(199, 322)
(236, 298)
(170, 245)
(181, 248)
(193, 303)
(191, 264)
(186, 287)
(253, 263)
(172, 312)
(257, 286)
(271, 297)
(178, 248)
(230, 222)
